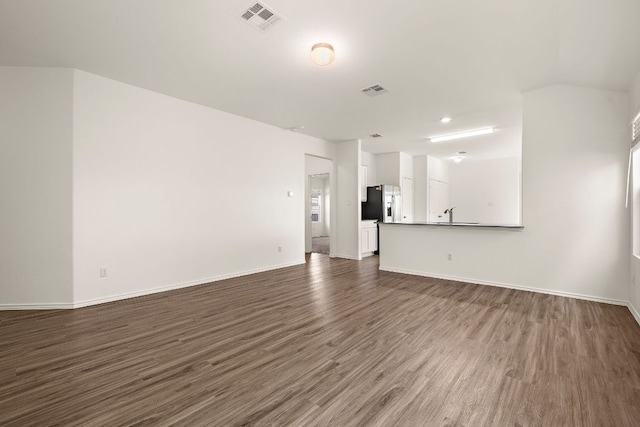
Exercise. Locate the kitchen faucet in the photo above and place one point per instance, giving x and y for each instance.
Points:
(450, 212)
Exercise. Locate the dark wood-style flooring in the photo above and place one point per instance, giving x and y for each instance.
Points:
(333, 342)
(320, 245)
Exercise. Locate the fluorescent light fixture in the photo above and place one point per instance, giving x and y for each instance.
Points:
(462, 135)
(445, 120)
(322, 53)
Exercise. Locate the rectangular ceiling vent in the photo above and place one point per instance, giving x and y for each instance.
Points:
(635, 129)
(374, 90)
(260, 17)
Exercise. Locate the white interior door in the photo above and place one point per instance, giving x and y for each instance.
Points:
(407, 199)
(438, 201)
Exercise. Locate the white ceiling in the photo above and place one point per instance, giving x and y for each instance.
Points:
(469, 59)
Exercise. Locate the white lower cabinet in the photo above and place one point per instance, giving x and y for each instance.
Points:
(369, 237)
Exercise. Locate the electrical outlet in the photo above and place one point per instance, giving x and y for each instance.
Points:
(104, 272)
(449, 257)
(279, 248)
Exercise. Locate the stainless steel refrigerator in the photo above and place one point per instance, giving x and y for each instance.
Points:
(384, 203)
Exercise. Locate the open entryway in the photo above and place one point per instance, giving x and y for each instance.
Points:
(318, 205)
(320, 194)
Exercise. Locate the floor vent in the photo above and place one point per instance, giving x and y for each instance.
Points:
(260, 17)
(374, 90)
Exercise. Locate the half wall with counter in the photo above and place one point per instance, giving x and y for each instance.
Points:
(509, 256)
(576, 240)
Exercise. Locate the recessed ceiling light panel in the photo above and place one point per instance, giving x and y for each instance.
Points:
(459, 135)
(445, 120)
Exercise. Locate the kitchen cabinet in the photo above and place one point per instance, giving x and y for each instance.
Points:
(369, 237)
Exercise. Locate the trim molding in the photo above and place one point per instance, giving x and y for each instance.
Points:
(118, 297)
(39, 306)
(182, 285)
(509, 286)
(346, 257)
(634, 312)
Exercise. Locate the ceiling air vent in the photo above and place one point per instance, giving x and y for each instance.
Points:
(374, 90)
(635, 129)
(375, 135)
(260, 17)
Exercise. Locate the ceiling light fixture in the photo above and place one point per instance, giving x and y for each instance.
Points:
(445, 120)
(461, 135)
(322, 53)
(457, 159)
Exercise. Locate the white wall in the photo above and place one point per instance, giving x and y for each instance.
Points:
(635, 96)
(35, 187)
(407, 189)
(420, 186)
(576, 236)
(634, 292)
(348, 206)
(326, 194)
(406, 166)
(317, 165)
(170, 193)
(437, 169)
(391, 167)
(388, 169)
(369, 160)
(486, 191)
(426, 168)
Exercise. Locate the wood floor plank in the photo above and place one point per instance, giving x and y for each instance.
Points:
(332, 342)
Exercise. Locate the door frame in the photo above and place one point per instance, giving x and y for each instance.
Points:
(332, 205)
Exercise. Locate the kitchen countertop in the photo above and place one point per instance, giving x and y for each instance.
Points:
(456, 224)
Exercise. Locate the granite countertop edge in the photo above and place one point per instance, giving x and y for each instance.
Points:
(466, 225)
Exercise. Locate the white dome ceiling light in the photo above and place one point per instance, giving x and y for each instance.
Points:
(322, 54)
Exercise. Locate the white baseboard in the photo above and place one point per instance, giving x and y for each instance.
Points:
(346, 257)
(128, 295)
(634, 312)
(182, 285)
(40, 306)
(509, 286)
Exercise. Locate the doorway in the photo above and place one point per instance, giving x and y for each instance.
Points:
(320, 204)
(318, 189)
